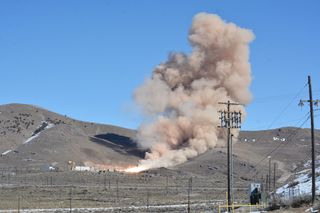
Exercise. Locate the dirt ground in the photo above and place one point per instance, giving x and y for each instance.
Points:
(110, 189)
(292, 210)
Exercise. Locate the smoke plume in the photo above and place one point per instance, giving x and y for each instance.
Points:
(181, 97)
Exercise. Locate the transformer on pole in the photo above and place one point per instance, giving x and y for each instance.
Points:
(230, 120)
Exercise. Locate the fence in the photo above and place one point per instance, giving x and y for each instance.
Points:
(290, 193)
(107, 191)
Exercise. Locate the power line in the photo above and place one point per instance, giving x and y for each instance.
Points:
(284, 144)
(266, 99)
(287, 106)
(284, 109)
(272, 123)
(307, 156)
(293, 135)
(285, 122)
(279, 145)
(289, 138)
(274, 151)
(279, 115)
(311, 103)
(294, 120)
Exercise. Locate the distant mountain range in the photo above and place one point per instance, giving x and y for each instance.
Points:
(31, 137)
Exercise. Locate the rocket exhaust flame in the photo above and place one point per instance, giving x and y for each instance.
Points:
(119, 168)
(181, 97)
(135, 169)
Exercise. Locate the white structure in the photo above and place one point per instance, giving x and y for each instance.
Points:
(6, 152)
(255, 185)
(81, 168)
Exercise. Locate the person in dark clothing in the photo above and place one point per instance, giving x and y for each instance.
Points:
(255, 197)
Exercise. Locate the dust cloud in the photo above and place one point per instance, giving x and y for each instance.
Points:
(181, 97)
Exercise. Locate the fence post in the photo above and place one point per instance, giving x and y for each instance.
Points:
(189, 191)
(167, 184)
(19, 204)
(118, 191)
(70, 199)
(148, 199)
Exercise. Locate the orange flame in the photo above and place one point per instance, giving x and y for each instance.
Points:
(135, 169)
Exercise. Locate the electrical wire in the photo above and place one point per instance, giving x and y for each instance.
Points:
(274, 151)
(262, 100)
(277, 118)
(256, 166)
(287, 106)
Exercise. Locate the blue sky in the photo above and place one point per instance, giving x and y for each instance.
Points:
(85, 58)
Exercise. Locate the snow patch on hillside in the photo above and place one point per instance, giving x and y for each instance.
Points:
(301, 185)
(6, 152)
(279, 139)
(45, 125)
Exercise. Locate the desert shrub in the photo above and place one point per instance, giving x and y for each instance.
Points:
(301, 201)
(316, 205)
(273, 206)
(292, 184)
(296, 202)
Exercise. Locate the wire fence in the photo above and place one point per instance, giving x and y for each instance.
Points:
(27, 190)
(291, 193)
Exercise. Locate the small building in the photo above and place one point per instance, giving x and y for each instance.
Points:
(81, 168)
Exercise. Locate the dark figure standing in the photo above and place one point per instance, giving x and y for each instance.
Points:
(255, 197)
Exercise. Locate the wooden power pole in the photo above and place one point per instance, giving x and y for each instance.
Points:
(274, 177)
(313, 167)
(269, 175)
(229, 120)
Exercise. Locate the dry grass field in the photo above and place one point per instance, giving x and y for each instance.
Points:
(51, 190)
(26, 182)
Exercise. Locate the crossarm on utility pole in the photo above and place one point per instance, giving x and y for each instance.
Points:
(229, 120)
(313, 169)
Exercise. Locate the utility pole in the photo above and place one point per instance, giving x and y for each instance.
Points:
(269, 175)
(190, 184)
(229, 120)
(148, 202)
(117, 191)
(105, 180)
(262, 188)
(313, 169)
(189, 191)
(19, 204)
(231, 175)
(70, 199)
(267, 187)
(167, 185)
(274, 177)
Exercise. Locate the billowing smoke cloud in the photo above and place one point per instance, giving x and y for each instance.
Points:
(182, 94)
